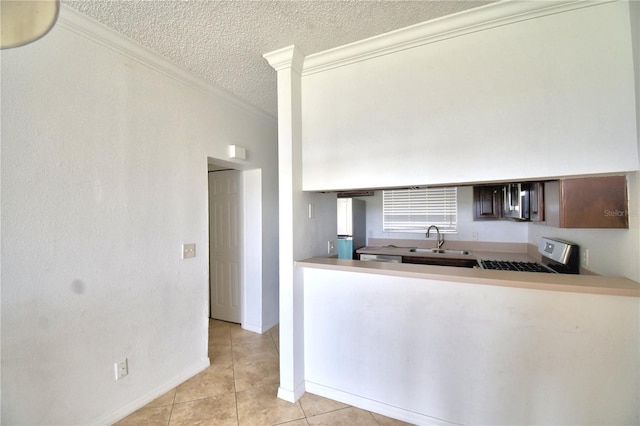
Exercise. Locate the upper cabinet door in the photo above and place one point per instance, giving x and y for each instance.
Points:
(487, 202)
(594, 202)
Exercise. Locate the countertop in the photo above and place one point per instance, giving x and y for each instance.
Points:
(592, 284)
(475, 254)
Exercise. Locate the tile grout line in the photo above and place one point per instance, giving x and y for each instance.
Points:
(233, 367)
(173, 404)
(274, 343)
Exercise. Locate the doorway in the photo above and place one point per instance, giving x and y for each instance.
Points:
(225, 244)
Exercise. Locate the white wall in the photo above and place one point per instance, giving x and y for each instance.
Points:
(539, 95)
(490, 230)
(104, 176)
(430, 352)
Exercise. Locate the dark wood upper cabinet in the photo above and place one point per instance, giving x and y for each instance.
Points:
(594, 202)
(487, 202)
(536, 202)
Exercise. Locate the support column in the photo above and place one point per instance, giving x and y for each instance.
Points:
(288, 63)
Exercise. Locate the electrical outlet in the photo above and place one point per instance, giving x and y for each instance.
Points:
(122, 368)
(188, 251)
(474, 236)
(585, 257)
(330, 247)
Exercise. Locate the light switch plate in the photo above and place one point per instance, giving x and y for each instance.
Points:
(188, 251)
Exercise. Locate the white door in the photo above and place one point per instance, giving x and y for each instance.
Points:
(224, 245)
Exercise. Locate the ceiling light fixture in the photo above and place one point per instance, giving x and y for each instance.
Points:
(25, 21)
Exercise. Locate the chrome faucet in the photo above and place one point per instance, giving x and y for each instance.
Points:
(440, 236)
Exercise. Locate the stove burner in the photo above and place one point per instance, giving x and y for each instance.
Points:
(505, 265)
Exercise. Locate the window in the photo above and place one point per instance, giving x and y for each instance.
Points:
(414, 210)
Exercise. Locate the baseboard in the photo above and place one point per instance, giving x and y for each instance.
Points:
(292, 396)
(138, 403)
(268, 326)
(260, 329)
(251, 327)
(375, 406)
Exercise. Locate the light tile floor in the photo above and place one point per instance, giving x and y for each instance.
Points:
(240, 388)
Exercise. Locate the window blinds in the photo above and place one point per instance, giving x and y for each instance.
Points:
(414, 210)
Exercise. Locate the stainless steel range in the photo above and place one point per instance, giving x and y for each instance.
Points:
(558, 256)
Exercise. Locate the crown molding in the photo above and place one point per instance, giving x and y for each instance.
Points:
(482, 18)
(285, 58)
(90, 29)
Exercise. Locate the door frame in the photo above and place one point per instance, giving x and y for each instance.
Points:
(251, 251)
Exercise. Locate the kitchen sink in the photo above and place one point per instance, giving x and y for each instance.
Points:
(441, 251)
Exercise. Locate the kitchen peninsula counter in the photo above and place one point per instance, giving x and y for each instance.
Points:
(448, 345)
(592, 284)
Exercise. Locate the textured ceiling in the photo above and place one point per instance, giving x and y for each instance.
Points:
(223, 41)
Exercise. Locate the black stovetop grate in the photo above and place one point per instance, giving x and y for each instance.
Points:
(505, 265)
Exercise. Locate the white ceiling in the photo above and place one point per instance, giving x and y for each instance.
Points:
(222, 41)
